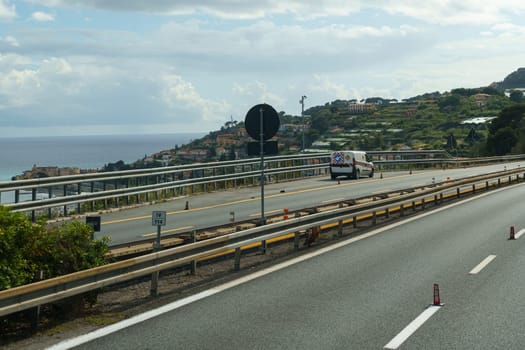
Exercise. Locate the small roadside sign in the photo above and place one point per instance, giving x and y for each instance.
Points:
(158, 218)
(94, 222)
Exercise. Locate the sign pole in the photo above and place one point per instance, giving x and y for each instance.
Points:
(157, 247)
(261, 147)
(158, 218)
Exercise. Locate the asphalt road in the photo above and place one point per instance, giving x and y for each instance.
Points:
(214, 209)
(361, 295)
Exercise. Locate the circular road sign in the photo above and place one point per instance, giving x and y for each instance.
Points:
(252, 122)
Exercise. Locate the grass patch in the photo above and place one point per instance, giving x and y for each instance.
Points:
(104, 319)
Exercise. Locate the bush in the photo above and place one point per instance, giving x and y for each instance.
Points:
(27, 248)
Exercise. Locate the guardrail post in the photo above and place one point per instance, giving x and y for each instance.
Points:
(193, 266)
(49, 195)
(441, 198)
(473, 188)
(458, 192)
(435, 199)
(296, 241)
(264, 246)
(340, 228)
(65, 206)
(402, 210)
(423, 203)
(374, 218)
(486, 185)
(154, 284)
(237, 263)
(499, 182)
(79, 191)
(354, 221)
(413, 205)
(33, 198)
(35, 312)
(387, 213)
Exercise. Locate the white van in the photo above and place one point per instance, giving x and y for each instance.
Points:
(353, 164)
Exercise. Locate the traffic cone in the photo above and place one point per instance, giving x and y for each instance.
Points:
(285, 217)
(512, 233)
(437, 300)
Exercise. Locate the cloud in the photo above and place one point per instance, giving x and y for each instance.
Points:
(42, 17)
(11, 41)
(190, 73)
(326, 85)
(433, 11)
(177, 92)
(7, 11)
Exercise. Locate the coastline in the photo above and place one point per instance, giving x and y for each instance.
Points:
(88, 152)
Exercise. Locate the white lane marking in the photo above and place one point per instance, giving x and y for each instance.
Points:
(73, 342)
(70, 343)
(482, 264)
(519, 234)
(412, 327)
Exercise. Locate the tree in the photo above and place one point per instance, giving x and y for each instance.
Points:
(509, 117)
(516, 96)
(320, 123)
(17, 237)
(28, 248)
(502, 141)
(449, 103)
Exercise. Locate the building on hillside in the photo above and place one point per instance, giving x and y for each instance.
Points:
(410, 112)
(291, 127)
(481, 99)
(47, 171)
(193, 154)
(220, 151)
(361, 107)
(223, 139)
(242, 132)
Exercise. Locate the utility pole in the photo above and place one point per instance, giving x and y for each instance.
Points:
(302, 115)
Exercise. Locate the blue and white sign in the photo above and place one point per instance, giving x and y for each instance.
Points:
(158, 218)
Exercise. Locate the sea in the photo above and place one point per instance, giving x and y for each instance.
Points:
(18, 154)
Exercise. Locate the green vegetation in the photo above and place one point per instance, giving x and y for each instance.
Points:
(29, 250)
(507, 132)
(458, 121)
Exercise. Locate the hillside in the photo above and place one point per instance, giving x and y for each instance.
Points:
(515, 80)
(457, 121)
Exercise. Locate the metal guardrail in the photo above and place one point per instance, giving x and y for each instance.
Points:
(132, 184)
(47, 291)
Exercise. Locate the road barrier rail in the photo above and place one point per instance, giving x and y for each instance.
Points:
(74, 194)
(54, 289)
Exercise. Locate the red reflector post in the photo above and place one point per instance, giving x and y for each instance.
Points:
(437, 300)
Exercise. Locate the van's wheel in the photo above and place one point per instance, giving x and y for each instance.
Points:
(333, 176)
(371, 173)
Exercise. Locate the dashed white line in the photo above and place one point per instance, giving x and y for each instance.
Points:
(412, 327)
(482, 264)
(520, 232)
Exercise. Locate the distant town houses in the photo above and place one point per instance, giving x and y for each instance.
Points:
(193, 154)
(48, 171)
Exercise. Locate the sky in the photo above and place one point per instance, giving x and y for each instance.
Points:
(88, 67)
